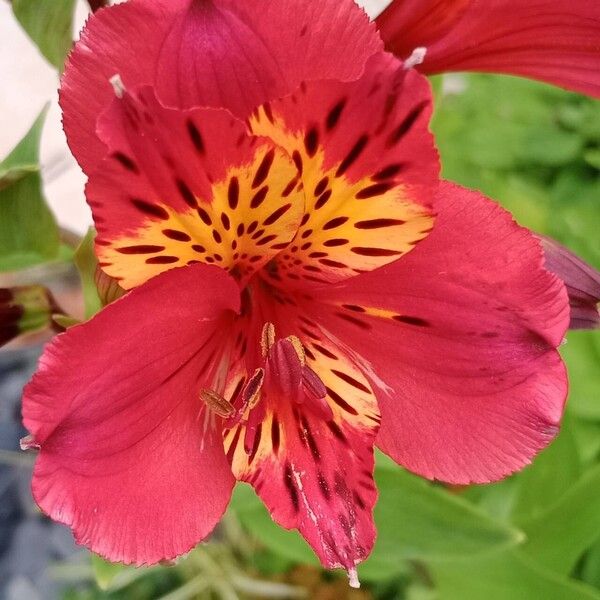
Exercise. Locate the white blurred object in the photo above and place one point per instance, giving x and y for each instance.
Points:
(28, 82)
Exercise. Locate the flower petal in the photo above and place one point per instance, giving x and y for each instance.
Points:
(369, 169)
(310, 457)
(458, 340)
(581, 280)
(551, 40)
(181, 187)
(225, 54)
(130, 458)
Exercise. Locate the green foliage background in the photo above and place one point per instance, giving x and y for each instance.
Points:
(535, 149)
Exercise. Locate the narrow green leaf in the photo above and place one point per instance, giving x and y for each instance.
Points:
(86, 262)
(560, 535)
(49, 23)
(505, 575)
(28, 232)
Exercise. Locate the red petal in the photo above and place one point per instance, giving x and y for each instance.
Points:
(311, 461)
(581, 280)
(227, 54)
(368, 165)
(130, 459)
(458, 339)
(551, 40)
(181, 187)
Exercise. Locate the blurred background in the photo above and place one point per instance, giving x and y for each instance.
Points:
(536, 150)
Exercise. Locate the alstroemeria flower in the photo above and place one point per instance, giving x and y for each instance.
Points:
(557, 41)
(302, 287)
(25, 309)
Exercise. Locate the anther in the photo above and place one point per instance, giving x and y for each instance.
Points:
(299, 348)
(267, 339)
(216, 402)
(251, 392)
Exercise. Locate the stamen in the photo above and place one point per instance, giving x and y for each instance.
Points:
(251, 392)
(118, 86)
(416, 58)
(218, 404)
(267, 338)
(299, 348)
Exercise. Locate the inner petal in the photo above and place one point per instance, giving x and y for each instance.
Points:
(181, 187)
(368, 165)
(306, 444)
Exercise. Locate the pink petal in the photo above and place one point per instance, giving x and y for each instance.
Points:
(227, 54)
(368, 166)
(181, 187)
(130, 458)
(459, 340)
(581, 280)
(551, 40)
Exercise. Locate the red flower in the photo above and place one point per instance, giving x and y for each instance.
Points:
(552, 40)
(302, 287)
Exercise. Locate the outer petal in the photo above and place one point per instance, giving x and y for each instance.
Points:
(458, 339)
(130, 458)
(581, 280)
(551, 40)
(311, 459)
(181, 187)
(369, 169)
(226, 54)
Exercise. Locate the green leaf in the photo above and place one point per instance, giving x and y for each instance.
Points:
(590, 571)
(86, 263)
(551, 475)
(560, 535)
(49, 23)
(419, 520)
(28, 234)
(256, 519)
(502, 576)
(582, 355)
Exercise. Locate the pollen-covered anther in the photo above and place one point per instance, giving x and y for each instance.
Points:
(298, 347)
(215, 402)
(251, 391)
(267, 339)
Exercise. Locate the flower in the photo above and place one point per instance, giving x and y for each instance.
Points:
(25, 309)
(551, 40)
(581, 280)
(302, 287)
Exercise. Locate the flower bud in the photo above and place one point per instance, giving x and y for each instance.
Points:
(23, 310)
(581, 280)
